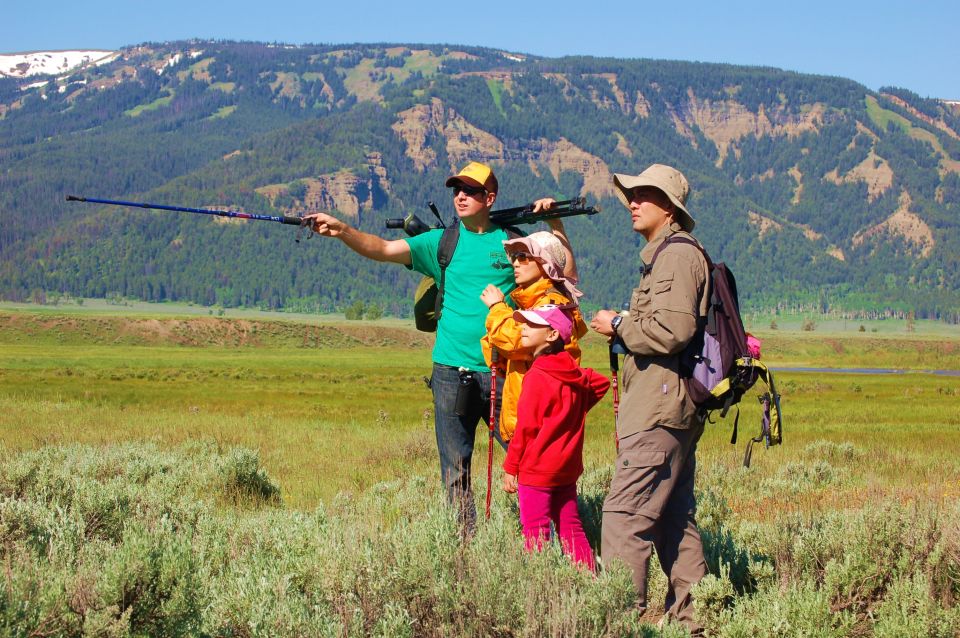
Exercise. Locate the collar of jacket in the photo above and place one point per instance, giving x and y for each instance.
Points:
(646, 254)
(527, 297)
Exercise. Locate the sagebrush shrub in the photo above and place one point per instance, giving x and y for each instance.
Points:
(135, 540)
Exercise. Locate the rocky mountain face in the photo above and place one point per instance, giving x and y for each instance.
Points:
(818, 191)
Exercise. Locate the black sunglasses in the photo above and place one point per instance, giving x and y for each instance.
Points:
(469, 191)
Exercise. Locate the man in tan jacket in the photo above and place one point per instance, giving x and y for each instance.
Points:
(651, 501)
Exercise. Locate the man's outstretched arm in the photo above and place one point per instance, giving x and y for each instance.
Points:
(370, 246)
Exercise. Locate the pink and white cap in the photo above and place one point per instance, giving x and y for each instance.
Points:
(549, 315)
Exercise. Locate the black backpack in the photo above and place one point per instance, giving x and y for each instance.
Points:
(428, 298)
(716, 365)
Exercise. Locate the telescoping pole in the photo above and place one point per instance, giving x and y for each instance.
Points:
(492, 423)
(282, 219)
(614, 370)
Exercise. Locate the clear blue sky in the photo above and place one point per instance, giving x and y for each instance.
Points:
(914, 45)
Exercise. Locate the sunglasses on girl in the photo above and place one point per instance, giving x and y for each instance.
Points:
(521, 257)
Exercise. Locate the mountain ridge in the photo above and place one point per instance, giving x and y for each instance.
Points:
(818, 190)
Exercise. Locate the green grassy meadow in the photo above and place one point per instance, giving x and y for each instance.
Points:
(350, 396)
(333, 423)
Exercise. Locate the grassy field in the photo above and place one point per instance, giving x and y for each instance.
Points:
(340, 421)
(351, 396)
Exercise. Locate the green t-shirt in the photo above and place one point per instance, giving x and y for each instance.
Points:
(478, 260)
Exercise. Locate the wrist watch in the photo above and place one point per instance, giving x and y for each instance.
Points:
(615, 322)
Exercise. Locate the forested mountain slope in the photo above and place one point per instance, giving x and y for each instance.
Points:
(817, 190)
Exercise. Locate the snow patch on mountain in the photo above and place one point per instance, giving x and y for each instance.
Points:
(22, 65)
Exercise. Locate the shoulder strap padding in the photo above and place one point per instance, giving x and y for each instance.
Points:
(445, 250)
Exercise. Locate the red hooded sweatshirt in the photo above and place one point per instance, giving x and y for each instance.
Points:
(547, 448)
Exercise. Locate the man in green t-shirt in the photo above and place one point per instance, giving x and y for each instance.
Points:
(479, 260)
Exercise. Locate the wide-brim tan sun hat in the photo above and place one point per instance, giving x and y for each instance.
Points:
(666, 179)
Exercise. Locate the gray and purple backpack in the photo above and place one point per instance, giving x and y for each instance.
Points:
(718, 365)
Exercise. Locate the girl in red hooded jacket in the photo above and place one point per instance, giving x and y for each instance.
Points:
(545, 456)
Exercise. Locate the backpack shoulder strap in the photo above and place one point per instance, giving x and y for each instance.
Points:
(445, 250)
(680, 239)
(683, 239)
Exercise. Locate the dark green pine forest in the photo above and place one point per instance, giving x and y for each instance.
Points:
(821, 194)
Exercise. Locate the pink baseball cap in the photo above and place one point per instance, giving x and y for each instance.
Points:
(549, 315)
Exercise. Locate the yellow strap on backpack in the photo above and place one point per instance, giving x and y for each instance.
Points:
(764, 373)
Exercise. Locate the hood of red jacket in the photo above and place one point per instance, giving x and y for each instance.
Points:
(563, 367)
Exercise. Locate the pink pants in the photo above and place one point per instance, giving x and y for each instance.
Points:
(541, 505)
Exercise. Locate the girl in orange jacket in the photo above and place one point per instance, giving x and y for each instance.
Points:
(538, 262)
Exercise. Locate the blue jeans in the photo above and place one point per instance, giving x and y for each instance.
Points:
(456, 433)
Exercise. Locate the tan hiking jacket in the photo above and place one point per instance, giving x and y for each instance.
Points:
(663, 318)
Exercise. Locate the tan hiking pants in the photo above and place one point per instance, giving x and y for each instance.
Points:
(651, 504)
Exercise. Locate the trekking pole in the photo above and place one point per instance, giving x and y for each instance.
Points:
(491, 423)
(617, 347)
(282, 219)
(614, 369)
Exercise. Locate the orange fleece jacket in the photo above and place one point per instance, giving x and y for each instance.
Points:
(503, 333)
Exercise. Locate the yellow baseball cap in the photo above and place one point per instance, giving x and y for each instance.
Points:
(476, 174)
